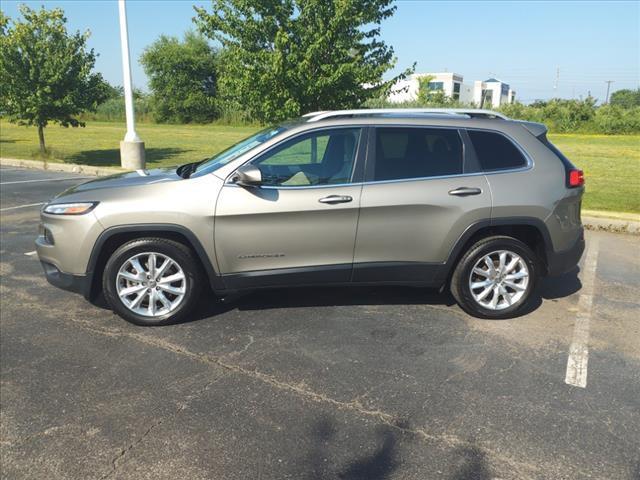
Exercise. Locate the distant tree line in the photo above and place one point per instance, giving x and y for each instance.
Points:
(274, 60)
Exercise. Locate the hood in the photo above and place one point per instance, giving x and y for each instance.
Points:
(126, 179)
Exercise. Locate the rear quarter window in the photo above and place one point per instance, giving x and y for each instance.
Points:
(496, 152)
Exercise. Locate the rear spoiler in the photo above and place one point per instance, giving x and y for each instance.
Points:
(535, 128)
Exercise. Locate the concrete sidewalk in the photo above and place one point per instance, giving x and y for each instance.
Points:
(615, 222)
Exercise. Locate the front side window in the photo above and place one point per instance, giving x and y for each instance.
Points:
(495, 151)
(319, 158)
(403, 153)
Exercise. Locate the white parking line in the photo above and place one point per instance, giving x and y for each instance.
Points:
(30, 254)
(44, 180)
(21, 206)
(579, 349)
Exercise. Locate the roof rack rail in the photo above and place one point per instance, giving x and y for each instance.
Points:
(468, 112)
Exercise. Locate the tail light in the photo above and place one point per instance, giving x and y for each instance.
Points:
(576, 178)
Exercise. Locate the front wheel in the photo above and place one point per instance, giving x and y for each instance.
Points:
(495, 278)
(152, 281)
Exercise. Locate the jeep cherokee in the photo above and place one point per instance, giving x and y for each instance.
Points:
(462, 199)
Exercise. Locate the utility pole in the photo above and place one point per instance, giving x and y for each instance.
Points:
(608, 82)
(131, 148)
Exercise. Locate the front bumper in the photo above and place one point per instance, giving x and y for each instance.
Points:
(66, 281)
(562, 262)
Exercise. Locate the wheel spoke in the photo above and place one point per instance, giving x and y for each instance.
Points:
(125, 292)
(138, 300)
(160, 271)
(170, 289)
(517, 287)
(505, 294)
(484, 293)
(481, 272)
(164, 300)
(494, 299)
(484, 283)
(152, 303)
(489, 263)
(136, 264)
(517, 276)
(130, 276)
(171, 278)
(151, 263)
(512, 264)
(502, 261)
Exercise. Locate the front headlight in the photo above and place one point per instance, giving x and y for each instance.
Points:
(69, 208)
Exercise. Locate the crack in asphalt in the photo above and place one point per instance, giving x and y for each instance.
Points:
(117, 460)
(384, 418)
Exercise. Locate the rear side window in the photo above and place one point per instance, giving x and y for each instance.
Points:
(403, 153)
(495, 151)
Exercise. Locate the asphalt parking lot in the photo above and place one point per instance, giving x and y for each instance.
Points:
(363, 383)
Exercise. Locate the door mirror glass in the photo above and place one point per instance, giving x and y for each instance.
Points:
(247, 176)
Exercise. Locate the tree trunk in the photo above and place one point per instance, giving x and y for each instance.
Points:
(43, 150)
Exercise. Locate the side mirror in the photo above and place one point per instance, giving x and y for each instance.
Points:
(248, 176)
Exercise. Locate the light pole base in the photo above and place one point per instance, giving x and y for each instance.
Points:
(132, 155)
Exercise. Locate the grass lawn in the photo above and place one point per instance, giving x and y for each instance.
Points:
(611, 162)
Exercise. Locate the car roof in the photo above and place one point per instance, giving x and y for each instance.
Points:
(459, 118)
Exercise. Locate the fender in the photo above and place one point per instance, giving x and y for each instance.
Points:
(474, 228)
(214, 279)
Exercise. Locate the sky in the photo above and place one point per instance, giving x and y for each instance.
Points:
(543, 49)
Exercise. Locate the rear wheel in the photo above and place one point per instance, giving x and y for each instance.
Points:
(152, 281)
(495, 278)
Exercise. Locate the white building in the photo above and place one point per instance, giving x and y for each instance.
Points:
(490, 93)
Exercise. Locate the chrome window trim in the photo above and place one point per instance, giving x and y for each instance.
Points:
(530, 163)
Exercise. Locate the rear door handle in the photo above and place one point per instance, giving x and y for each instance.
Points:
(332, 199)
(465, 191)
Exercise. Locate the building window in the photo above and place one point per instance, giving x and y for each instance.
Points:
(456, 91)
(436, 85)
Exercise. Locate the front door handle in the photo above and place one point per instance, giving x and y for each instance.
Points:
(465, 191)
(332, 199)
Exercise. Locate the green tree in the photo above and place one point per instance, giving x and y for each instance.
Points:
(287, 57)
(626, 98)
(46, 73)
(182, 78)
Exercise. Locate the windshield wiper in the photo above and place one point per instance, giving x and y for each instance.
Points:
(187, 169)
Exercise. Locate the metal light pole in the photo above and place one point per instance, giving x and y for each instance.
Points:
(131, 148)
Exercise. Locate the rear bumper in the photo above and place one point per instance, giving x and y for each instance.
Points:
(566, 260)
(66, 281)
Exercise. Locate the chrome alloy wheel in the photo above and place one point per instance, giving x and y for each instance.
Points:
(151, 284)
(499, 280)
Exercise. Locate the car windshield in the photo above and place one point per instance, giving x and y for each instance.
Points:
(236, 150)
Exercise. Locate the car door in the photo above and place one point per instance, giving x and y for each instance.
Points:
(420, 194)
(299, 225)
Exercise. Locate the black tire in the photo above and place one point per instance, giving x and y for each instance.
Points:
(461, 290)
(179, 253)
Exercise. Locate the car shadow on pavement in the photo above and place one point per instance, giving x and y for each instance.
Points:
(549, 288)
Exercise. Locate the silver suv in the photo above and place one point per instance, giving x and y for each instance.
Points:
(462, 199)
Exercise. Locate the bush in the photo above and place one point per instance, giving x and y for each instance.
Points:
(612, 119)
(113, 110)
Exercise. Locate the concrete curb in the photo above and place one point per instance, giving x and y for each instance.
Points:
(60, 167)
(592, 220)
(613, 225)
